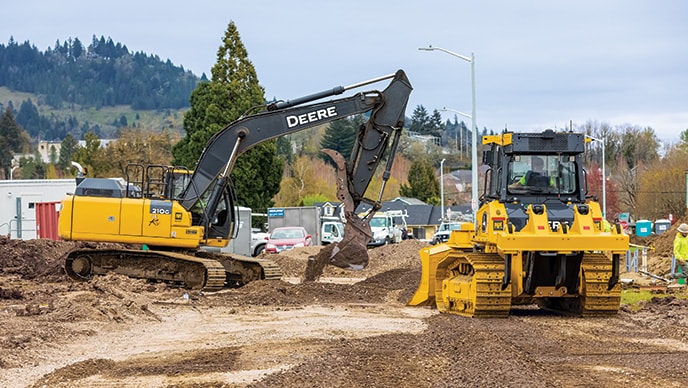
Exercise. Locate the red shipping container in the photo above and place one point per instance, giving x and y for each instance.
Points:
(47, 214)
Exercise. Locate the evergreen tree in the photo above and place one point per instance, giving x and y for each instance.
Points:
(6, 156)
(422, 183)
(232, 91)
(67, 149)
(17, 139)
(52, 154)
(435, 126)
(341, 136)
(29, 118)
(419, 120)
(284, 149)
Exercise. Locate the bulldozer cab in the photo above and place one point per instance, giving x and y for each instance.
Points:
(534, 168)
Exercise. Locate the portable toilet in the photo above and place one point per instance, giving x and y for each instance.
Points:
(662, 226)
(643, 228)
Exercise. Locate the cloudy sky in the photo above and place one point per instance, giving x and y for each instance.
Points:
(538, 64)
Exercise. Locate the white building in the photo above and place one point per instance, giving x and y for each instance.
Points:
(18, 200)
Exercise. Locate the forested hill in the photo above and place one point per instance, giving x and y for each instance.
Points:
(101, 74)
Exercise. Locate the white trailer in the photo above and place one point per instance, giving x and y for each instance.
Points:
(18, 199)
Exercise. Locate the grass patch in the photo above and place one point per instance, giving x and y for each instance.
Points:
(105, 117)
(635, 298)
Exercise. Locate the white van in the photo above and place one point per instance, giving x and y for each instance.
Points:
(331, 231)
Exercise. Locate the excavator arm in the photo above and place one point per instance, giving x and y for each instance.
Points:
(380, 133)
(386, 121)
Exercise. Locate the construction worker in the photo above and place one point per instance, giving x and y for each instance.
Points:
(606, 226)
(681, 250)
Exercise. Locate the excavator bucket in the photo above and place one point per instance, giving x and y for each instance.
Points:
(352, 252)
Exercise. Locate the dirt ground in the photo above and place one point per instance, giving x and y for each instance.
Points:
(347, 329)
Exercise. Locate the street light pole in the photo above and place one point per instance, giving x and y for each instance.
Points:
(445, 109)
(442, 186)
(474, 128)
(604, 178)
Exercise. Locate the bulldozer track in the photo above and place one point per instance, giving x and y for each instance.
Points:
(200, 271)
(595, 298)
(471, 285)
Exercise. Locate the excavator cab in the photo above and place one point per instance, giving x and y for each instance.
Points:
(214, 211)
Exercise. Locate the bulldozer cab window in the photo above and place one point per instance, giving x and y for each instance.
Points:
(548, 174)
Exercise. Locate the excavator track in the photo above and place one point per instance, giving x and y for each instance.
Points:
(201, 270)
(595, 298)
(242, 270)
(471, 285)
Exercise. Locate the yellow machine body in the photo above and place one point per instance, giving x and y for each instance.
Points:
(130, 221)
(523, 252)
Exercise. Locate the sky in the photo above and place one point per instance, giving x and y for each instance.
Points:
(538, 64)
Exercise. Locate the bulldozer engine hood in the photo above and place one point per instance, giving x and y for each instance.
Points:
(557, 214)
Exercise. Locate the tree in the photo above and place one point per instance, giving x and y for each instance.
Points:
(683, 140)
(662, 187)
(52, 154)
(284, 149)
(232, 91)
(422, 183)
(420, 120)
(17, 139)
(93, 156)
(32, 167)
(5, 157)
(308, 178)
(436, 126)
(67, 149)
(340, 136)
(138, 146)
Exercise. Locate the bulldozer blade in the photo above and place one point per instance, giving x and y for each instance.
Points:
(352, 251)
(425, 293)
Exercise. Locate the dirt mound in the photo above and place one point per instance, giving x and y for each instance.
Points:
(661, 248)
(39, 259)
(393, 273)
(385, 258)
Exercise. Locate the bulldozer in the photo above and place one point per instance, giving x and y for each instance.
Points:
(176, 215)
(537, 237)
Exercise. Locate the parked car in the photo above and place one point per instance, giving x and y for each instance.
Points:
(258, 241)
(288, 237)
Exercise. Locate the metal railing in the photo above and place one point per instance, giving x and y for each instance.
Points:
(634, 253)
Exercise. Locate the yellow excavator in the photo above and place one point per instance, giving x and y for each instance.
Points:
(537, 237)
(173, 212)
